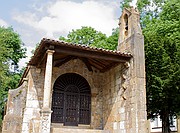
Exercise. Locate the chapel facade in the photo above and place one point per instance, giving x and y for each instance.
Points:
(75, 88)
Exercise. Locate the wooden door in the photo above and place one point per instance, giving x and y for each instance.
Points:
(57, 107)
(71, 109)
(71, 100)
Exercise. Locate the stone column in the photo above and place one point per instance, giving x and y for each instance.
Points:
(46, 110)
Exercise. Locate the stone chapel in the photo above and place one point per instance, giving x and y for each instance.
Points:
(71, 88)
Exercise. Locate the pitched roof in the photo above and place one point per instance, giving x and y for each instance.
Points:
(73, 49)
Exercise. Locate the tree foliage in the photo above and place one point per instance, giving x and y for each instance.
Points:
(85, 35)
(91, 37)
(11, 51)
(125, 4)
(13, 45)
(161, 29)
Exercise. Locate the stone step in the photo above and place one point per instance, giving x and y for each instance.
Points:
(60, 125)
(74, 130)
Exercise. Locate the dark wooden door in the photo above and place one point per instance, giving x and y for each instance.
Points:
(71, 100)
(57, 107)
(71, 109)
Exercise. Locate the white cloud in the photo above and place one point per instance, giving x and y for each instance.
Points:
(26, 18)
(3, 23)
(63, 16)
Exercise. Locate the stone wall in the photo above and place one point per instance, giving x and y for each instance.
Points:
(12, 122)
(116, 97)
(123, 96)
(34, 100)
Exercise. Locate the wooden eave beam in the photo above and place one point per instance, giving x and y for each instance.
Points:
(42, 59)
(62, 61)
(40, 53)
(90, 54)
(86, 62)
(24, 75)
(98, 63)
(96, 66)
(109, 67)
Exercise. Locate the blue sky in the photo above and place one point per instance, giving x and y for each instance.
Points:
(35, 19)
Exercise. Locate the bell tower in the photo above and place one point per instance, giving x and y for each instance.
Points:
(131, 41)
(129, 24)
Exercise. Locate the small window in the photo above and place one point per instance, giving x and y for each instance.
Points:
(126, 21)
(126, 24)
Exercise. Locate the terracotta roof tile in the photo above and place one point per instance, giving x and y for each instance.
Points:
(47, 42)
(85, 47)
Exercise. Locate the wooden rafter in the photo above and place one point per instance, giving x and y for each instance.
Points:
(62, 61)
(98, 63)
(86, 62)
(41, 61)
(111, 65)
(95, 65)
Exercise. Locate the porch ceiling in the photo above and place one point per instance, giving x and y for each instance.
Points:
(64, 52)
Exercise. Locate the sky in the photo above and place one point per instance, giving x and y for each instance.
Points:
(36, 19)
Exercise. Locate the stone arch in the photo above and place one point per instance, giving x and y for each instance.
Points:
(75, 66)
(71, 100)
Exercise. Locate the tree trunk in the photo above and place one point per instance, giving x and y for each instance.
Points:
(165, 122)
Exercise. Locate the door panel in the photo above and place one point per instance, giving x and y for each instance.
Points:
(71, 109)
(57, 107)
(84, 109)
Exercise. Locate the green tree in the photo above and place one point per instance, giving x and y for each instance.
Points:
(110, 42)
(162, 49)
(149, 10)
(11, 51)
(13, 45)
(85, 35)
(89, 36)
(125, 4)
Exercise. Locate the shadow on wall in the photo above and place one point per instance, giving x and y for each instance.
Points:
(116, 99)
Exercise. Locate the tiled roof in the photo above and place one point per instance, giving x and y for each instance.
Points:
(81, 46)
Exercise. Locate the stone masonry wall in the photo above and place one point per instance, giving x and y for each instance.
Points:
(12, 122)
(33, 101)
(117, 100)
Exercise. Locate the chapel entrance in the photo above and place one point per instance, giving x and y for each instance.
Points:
(71, 100)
